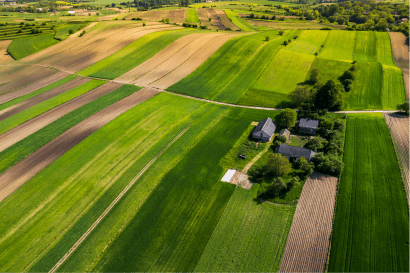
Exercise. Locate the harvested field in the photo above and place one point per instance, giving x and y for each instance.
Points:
(17, 77)
(225, 20)
(191, 64)
(17, 108)
(4, 56)
(159, 58)
(308, 241)
(401, 56)
(203, 17)
(78, 32)
(174, 15)
(176, 60)
(97, 44)
(31, 165)
(399, 132)
(215, 20)
(35, 85)
(18, 133)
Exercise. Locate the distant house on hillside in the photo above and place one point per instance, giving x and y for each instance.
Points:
(308, 126)
(284, 132)
(295, 152)
(264, 130)
(71, 12)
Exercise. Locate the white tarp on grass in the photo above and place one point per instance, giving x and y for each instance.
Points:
(228, 176)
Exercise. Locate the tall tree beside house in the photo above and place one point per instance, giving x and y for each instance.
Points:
(286, 118)
(329, 96)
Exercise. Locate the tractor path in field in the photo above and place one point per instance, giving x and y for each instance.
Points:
(33, 125)
(19, 107)
(20, 173)
(118, 198)
(79, 32)
(4, 56)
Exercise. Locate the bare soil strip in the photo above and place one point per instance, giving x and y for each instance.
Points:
(401, 56)
(215, 20)
(175, 16)
(17, 77)
(20, 173)
(23, 130)
(159, 58)
(225, 20)
(176, 60)
(123, 192)
(79, 32)
(399, 131)
(308, 241)
(189, 66)
(6, 113)
(4, 56)
(33, 87)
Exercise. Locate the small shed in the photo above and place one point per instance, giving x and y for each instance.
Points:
(71, 12)
(295, 152)
(285, 132)
(264, 130)
(308, 126)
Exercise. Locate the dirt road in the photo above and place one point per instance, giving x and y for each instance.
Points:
(20, 173)
(401, 56)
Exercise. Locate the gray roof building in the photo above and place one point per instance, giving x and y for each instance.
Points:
(296, 152)
(308, 126)
(264, 130)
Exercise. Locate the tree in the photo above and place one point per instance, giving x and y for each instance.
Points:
(304, 166)
(314, 75)
(286, 118)
(267, 38)
(281, 32)
(300, 95)
(314, 144)
(404, 107)
(70, 31)
(278, 165)
(329, 96)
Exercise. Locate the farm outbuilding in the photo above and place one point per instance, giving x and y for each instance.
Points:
(284, 132)
(308, 126)
(295, 152)
(264, 130)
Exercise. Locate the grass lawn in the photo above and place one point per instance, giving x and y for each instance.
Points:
(297, 141)
(44, 106)
(365, 46)
(133, 54)
(371, 227)
(25, 147)
(249, 237)
(192, 16)
(20, 48)
(339, 45)
(309, 41)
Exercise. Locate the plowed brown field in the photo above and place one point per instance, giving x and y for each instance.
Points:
(16, 77)
(401, 56)
(189, 66)
(176, 60)
(35, 85)
(159, 58)
(203, 17)
(215, 20)
(308, 241)
(174, 15)
(6, 113)
(4, 56)
(78, 53)
(20, 173)
(399, 131)
(225, 20)
(23, 130)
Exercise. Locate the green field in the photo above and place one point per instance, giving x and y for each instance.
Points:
(20, 48)
(393, 92)
(38, 92)
(133, 55)
(330, 69)
(383, 48)
(339, 45)
(239, 22)
(221, 67)
(309, 41)
(249, 237)
(28, 145)
(44, 106)
(371, 228)
(63, 32)
(192, 16)
(365, 46)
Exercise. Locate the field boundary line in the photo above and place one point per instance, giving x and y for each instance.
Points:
(153, 188)
(123, 192)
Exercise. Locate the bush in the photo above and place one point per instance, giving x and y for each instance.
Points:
(282, 138)
(82, 33)
(137, 19)
(285, 43)
(143, 24)
(276, 188)
(329, 164)
(315, 144)
(204, 27)
(281, 33)
(277, 165)
(304, 166)
(326, 28)
(70, 31)
(228, 29)
(292, 182)
(327, 124)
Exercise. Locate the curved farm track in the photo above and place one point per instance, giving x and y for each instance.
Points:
(4, 56)
(20, 173)
(308, 241)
